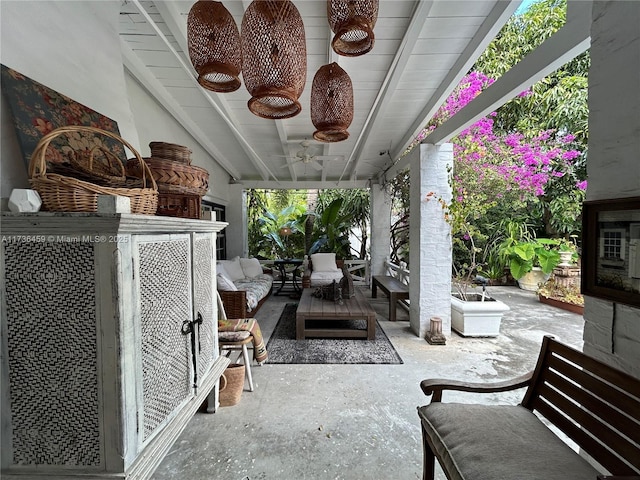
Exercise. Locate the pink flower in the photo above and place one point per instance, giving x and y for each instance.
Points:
(570, 154)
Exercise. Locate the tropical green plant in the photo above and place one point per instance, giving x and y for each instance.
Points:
(356, 204)
(274, 242)
(539, 252)
(332, 231)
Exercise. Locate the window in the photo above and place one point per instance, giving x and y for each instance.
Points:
(612, 244)
(221, 216)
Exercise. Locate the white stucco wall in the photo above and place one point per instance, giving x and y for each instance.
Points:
(73, 47)
(380, 228)
(612, 331)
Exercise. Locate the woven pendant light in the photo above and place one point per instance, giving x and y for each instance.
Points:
(214, 46)
(352, 21)
(331, 103)
(274, 58)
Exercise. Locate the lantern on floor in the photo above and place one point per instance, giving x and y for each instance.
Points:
(274, 58)
(214, 46)
(331, 103)
(352, 22)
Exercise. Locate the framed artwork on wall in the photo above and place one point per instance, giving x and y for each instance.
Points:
(611, 250)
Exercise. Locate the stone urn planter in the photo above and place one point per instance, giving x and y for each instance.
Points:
(476, 318)
(566, 259)
(531, 280)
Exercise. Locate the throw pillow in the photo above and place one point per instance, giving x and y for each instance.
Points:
(324, 262)
(220, 269)
(251, 267)
(225, 284)
(233, 269)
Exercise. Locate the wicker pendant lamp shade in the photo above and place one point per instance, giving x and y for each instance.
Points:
(331, 103)
(214, 46)
(274, 58)
(352, 22)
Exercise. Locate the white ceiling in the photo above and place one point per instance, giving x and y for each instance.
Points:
(422, 49)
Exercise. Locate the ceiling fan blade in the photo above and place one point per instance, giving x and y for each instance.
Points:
(316, 165)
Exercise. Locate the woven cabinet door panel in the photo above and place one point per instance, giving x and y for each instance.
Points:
(52, 354)
(203, 303)
(164, 289)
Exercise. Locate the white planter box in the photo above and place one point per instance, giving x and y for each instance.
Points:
(476, 318)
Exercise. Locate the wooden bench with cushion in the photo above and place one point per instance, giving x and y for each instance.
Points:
(593, 404)
(395, 290)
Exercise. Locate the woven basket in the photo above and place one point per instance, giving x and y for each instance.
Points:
(171, 151)
(231, 385)
(179, 205)
(62, 193)
(194, 180)
(106, 169)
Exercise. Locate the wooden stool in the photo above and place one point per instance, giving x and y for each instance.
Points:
(241, 347)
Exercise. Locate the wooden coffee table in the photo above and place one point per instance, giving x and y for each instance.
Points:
(355, 308)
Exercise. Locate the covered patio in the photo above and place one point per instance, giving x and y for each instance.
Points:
(128, 60)
(358, 421)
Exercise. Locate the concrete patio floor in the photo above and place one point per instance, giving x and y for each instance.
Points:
(357, 421)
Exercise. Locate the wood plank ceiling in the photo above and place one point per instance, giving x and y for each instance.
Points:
(422, 49)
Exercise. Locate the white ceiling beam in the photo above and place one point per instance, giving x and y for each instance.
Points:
(157, 90)
(286, 148)
(568, 42)
(304, 184)
(253, 156)
(489, 29)
(391, 80)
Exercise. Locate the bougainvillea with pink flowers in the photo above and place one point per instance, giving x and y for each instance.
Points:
(512, 172)
(492, 168)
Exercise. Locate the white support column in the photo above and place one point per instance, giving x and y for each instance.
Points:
(237, 218)
(380, 229)
(430, 238)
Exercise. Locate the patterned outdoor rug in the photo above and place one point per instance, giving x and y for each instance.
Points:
(284, 348)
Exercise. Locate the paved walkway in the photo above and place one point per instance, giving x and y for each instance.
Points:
(357, 421)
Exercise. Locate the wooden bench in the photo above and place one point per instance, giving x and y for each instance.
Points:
(395, 290)
(593, 404)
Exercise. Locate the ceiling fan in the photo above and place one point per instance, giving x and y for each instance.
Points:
(306, 157)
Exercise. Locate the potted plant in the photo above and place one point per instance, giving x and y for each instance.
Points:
(473, 314)
(568, 252)
(532, 261)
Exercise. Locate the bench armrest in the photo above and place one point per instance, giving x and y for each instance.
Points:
(436, 386)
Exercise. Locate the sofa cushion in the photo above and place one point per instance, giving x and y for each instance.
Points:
(251, 267)
(257, 288)
(233, 268)
(324, 278)
(488, 442)
(324, 262)
(224, 283)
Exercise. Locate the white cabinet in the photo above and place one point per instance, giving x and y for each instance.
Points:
(109, 340)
